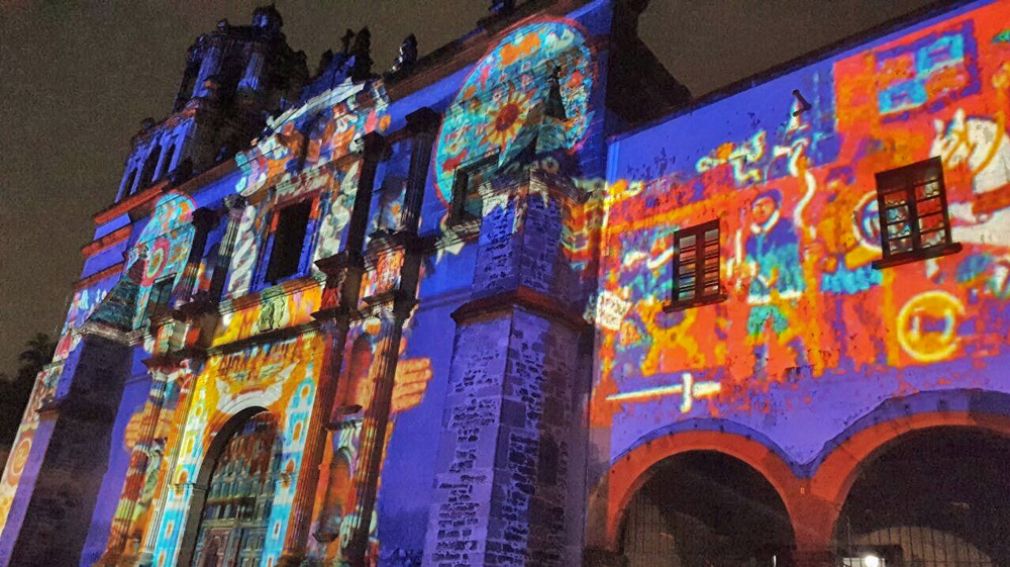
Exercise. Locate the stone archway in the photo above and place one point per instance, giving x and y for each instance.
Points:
(233, 493)
(938, 497)
(633, 469)
(756, 478)
(704, 508)
(839, 468)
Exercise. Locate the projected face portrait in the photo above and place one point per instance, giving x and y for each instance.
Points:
(763, 209)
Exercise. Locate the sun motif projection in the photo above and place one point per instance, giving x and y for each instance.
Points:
(794, 193)
(505, 92)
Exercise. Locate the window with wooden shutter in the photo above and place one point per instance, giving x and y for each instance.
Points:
(696, 266)
(914, 224)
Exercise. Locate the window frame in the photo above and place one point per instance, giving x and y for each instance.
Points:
(261, 279)
(699, 296)
(159, 298)
(461, 184)
(905, 181)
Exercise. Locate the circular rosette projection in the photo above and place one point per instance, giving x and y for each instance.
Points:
(157, 258)
(498, 109)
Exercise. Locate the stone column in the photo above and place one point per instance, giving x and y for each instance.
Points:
(373, 432)
(374, 147)
(136, 472)
(185, 382)
(393, 307)
(334, 327)
(340, 299)
(423, 125)
(236, 207)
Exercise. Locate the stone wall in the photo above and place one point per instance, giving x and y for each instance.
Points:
(511, 423)
(57, 517)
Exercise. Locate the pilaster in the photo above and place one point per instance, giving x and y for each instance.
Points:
(182, 396)
(340, 299)
(140, 458)
(373, 440)
(343, 281)
(204, 221)
(389, 294)
(236, 207)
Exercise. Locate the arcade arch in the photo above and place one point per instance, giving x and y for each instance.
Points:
(705, 508)
(936, 497)
(825, 528)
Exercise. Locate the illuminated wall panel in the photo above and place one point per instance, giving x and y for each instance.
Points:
(808, 338)
(418, 399)
(279, 377)
(811, 336)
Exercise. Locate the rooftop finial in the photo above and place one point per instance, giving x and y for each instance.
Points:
(408, 55)
(345, 42)
(361, 52)
(499, 7)
(267, 18)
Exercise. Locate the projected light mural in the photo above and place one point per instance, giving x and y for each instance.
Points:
(324, 129)
(279, 378)
(434, 367)
(499, 108)
(299, 163)
(810, 333)
(157, 254)
(83, 303)
(312, 157)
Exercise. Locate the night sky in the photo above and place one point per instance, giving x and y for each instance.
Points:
(76, 81)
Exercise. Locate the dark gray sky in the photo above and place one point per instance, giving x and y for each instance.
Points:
(77, 78)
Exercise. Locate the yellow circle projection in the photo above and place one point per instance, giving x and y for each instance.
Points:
(921, 342)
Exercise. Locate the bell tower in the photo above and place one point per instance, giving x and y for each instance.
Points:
(234, 76)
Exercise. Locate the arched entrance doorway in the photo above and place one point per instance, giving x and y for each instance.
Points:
(937, 497)
(705, 509)
(234, 515)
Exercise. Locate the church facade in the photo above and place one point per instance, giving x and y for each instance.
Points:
(523, 301)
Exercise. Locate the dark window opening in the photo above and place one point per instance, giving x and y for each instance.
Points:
(466, 200)
(913, 213)
(128, 186)
(157, 302)
(169, 154)
(149, 165)
(696, 263)
(289, 239)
